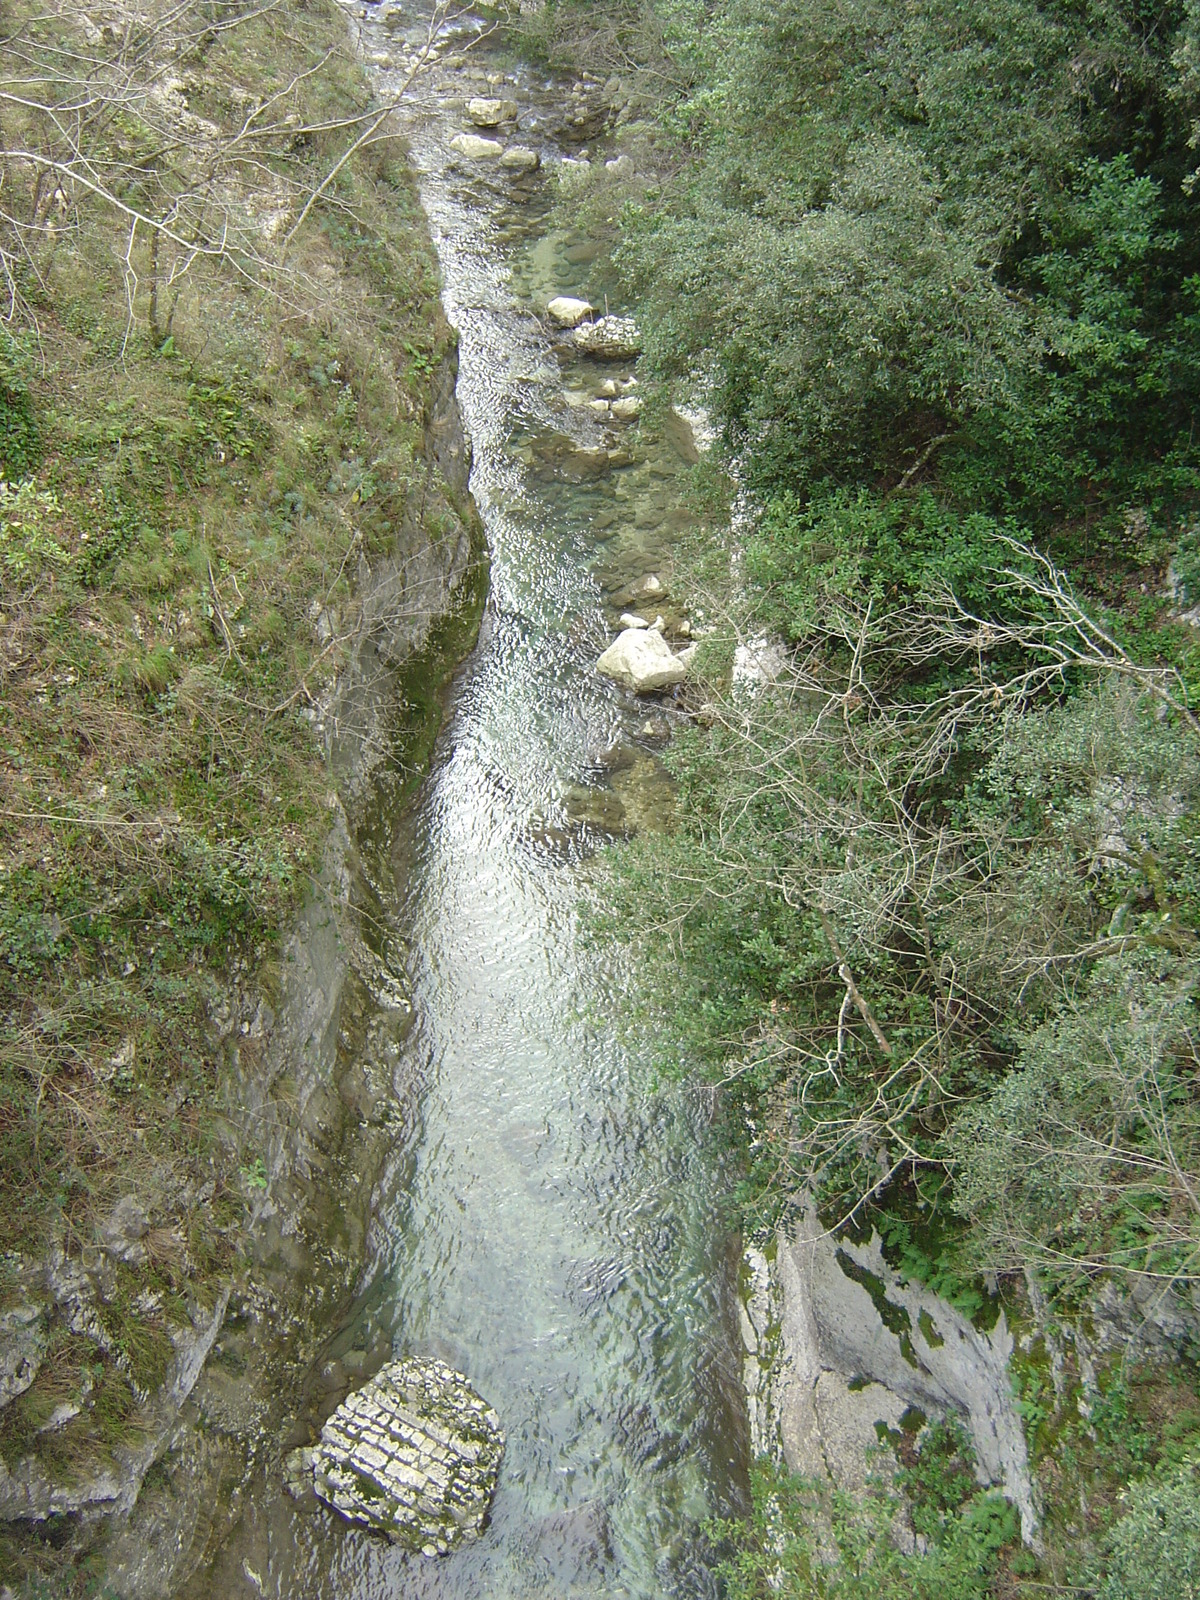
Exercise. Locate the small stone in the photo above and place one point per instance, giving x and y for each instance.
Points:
(520, 158)
(630, 619)
(627, 408)
(477, 149)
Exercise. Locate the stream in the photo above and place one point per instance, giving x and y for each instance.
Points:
(551, 1224)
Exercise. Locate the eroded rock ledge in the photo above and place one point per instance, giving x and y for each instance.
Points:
(414, 1454)
(823, 1366)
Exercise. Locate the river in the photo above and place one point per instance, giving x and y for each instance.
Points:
(552, 1224)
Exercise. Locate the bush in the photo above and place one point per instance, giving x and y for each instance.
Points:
(1153, 1551)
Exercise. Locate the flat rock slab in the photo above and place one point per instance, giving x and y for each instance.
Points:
(413, 1454)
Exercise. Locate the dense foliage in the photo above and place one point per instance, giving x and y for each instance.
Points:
(930, 911)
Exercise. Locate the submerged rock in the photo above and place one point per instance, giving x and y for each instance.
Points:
(413, 1454)
(641, 659)
(610, 339)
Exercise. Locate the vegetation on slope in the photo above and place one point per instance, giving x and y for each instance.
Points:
(214, 361)
(930, 914)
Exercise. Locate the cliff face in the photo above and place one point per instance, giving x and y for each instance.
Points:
(243, 562)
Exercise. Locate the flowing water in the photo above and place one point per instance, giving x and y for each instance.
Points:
(551, 1225)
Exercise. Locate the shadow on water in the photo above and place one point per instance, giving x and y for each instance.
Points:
(549, 1224)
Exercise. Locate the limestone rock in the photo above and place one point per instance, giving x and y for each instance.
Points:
(477, 149)
(610, 339)
(569, 313)
(641, 659)
(627, 408)
(520, 158)
(22, 1346)
(124, 1228)
(630, 619)
(413, 1454)
(491, 113)
(834, 1345)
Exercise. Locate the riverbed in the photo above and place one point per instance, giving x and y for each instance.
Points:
(551, 1222)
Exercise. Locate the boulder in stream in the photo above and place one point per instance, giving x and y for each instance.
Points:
(610, 339)
(642, 660)
(413, 1454)
(520, 158)
(491, 113)
(568, 312)
(471, 145)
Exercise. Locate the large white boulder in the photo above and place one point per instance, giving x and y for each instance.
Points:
(491, 113)
(641, 659)
(413, 1454)
(471, 145)
(568, 312)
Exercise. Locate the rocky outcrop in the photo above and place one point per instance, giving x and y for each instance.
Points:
(642, 660)
(610, 339)
(414, 1454)
(30, 1492)
(22, 1346)
(836, 1342)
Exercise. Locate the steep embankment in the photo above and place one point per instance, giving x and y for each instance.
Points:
(236, 546)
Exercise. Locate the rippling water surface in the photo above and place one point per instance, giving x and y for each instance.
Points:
(551, 1225)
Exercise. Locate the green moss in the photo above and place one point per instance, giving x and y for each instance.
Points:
(895, 1318)
(929, 1330)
